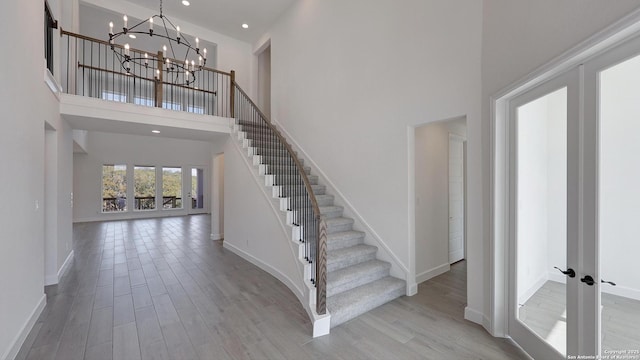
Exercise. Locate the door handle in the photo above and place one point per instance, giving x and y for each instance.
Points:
(608, 282)
(569, 272)
(588, 280)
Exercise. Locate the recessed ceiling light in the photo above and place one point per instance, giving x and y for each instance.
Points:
(155, 131)
(132, 36)
(245, 26)
(186, 2)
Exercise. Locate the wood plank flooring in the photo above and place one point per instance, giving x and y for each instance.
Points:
(160, 289)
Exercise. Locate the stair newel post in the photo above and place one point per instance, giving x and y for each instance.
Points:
(232, 94)
(321, 267)
(158, 80)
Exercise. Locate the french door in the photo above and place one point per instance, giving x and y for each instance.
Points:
(575, 211)
(196, 197)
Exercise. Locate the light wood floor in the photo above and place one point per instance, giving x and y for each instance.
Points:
(160, 289)
(545, 314)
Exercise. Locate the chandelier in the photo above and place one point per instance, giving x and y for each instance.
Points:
(175, 40)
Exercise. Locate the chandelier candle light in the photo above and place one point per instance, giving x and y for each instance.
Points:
(172, 34)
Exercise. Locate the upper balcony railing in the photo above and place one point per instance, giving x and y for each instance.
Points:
(91, 68)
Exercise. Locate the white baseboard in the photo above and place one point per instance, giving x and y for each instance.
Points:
(17, 342)
(526, 295)
(456, 256)
(412, 288)
(625, 292)
(217, 236)
(618, 290)
(473, 315)
(268, 268)
(65, 266)
(50, 279)
(478, 318)
(431, 273)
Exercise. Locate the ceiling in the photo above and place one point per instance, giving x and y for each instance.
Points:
(225, 16)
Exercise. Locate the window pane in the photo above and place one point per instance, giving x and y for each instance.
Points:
(114, 188)
(114, 96)
(171, 106)
(144, 178)
(143, 101)
(171, 188)
(195, 109)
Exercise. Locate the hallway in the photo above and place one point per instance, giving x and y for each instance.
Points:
(160, 289)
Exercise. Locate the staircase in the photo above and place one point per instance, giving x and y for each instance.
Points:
(356, 280)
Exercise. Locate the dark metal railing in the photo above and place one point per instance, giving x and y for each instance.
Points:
(293, 183)
(92, 68)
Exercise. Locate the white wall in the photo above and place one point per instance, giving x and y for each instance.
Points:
(432, 196)
(252, 228)
(232, 54)
(58, 197)
(349, 78)
(518, 37)
(107, 148)
(542, 181)
(217, 202)
(27, 103)
(619, 178)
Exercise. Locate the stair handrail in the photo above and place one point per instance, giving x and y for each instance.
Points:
(321, 244)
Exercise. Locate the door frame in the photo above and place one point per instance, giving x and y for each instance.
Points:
(499, 252)
(463, 141)
(206, 188)
(529, 340)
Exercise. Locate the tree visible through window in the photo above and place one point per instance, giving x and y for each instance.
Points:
(171, 188)
(114, 188)
(144, 181)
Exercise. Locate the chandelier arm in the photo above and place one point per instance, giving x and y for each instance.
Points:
(182, 68)
(166, 30)
(117, 35)
(136, 25)
(176, 28)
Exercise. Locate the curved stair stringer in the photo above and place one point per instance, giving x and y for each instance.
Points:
(398, 269)
(306, 295)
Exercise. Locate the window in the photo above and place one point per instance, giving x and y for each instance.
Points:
(143, 101)
(144, 180)
(171, 106)
(114, 96)
(195, 109)
(171, 188)
(114, 188)
(49, 25)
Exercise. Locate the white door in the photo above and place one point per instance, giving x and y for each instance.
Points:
(612, 201)
(544, 307)
(456, 198)
(575, 208)
(196, 197)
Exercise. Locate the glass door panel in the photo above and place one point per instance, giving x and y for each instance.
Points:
(541, 217)
(619, 209)
(196, 196)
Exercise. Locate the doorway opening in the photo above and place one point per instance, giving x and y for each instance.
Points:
(196, 195)
(217, 196)
(440, 196)
(264, 79)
